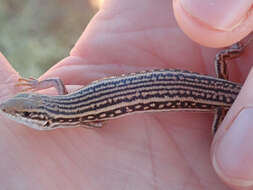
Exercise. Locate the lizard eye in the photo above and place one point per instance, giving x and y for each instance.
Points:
(26, 114)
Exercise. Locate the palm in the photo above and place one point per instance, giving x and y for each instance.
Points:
(145, 151)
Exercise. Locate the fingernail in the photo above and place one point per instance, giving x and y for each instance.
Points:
(233, 155)
(219, 14)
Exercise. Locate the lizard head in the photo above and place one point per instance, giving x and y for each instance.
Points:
(26, 109)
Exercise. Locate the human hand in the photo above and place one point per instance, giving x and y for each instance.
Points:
(232, 146)
(143, 151)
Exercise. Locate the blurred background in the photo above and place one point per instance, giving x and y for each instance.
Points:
(36, 34)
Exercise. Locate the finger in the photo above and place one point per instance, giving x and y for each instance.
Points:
(8, 78)
(224, 22)
(232, 153)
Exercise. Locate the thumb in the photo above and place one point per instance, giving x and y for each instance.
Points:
(232, 152)
(223, 21)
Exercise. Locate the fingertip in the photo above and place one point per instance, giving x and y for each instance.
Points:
(8, 78)
(8, 73)
(210, 24)
(232, 152)
(6, 66)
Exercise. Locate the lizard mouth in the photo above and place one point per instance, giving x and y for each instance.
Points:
(26, 118)
(14, 113)
(27, 121)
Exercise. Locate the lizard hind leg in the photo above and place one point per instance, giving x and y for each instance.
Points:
(222, 57)
(218, 118)
(221, 61)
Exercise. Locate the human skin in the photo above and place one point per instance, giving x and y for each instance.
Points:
(168, 150)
